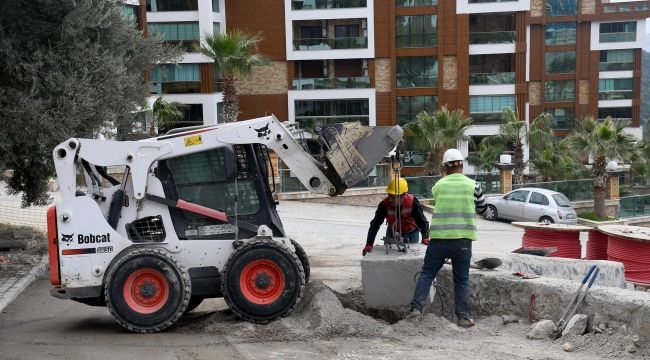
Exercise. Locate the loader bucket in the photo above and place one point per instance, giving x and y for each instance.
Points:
(352, 150)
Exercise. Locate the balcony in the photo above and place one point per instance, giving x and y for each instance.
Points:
(615, 95)
(496, 37)
(618, 37)
(565, 124)
(486, 118)
(309, 123)
(327, 4)
(492, 78)
(331, 43)
(189, 87)
(616, 66)
(331, 83)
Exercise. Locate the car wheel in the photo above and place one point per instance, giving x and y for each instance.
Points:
(492, 213)
(546, 220)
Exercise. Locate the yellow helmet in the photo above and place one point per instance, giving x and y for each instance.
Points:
(397, 187)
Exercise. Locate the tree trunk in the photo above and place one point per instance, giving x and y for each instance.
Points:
(230, 103)
(598, 176)
(432, 166)
(518, 176)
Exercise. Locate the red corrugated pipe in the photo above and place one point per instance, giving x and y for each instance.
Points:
(634, 255)
(567, 243)
(597, 245)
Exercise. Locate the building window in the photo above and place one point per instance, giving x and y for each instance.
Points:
(193, 116)
(561, 62)
(486, 110)
(312, 112)
(327, 4)
(216, 28)
(215, 6)
(173, 5)
(615, 113)
(565, 118)
(130, 13)
(559, 90)
(408, 107)
(488, 1)
(417, 71)
(311, 32)
(616, 60)
(416, 31)
(185, 33)
(561, 7)
(561, 33)
(416, 2)
(614, 89)
(173, 79)
(618, 32)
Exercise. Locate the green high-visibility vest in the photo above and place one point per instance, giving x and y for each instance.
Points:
(454, 214)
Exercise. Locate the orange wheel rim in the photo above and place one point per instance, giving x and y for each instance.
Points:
(146, 291)
(262, 282)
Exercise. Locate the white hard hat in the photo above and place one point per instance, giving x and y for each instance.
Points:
(452, 155)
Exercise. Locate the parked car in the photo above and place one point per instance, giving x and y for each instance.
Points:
(411, 158)
(532, 204)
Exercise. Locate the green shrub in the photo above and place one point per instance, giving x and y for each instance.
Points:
(588, 216)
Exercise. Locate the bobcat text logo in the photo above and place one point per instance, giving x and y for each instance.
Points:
(67, 238)
(264, 131)
(92, 239)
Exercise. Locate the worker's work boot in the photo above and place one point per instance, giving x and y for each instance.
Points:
(466, 323)
(414, 314)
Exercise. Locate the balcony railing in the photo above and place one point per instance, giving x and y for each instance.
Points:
(170, 5)
(496, 37)
(309, 122)
(327, 4)
(331, 83)
(188, 87)
(486, 118)
(618, 37)
(565, 124)
(492, 78)
(331, 43)
(379, 177)
(615, 95)
(417, 81)
(616, 66)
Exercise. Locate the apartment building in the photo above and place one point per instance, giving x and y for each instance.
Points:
(381, 62)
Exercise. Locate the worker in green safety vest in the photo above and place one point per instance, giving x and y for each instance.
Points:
(453, 229)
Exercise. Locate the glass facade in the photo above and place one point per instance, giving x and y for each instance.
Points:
(618, 32)
(486, 110)
(331, 83)
(416, 31)
(488, 1)
(561, 33)
(187, 34)
(615, 89)
(174, 5)
(416, 2)
(616, 60)
(130, 13)
(615, 113)
(417, 71)
(172, 79)
(193, 117)
(559, 90)
(561, 7)
(565, 118)
(408, 107)
(327, 4)
(494, 37)
(312, 112)
(561, 62)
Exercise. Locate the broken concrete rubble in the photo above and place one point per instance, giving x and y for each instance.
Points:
(541, 330)
(576, 325)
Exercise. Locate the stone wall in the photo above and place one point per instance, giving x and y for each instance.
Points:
(382, 75)
(583, 92)
(449, 73)
(589, 6)
(535, 93)
(581, 207)
(537, 7)
(265, 80)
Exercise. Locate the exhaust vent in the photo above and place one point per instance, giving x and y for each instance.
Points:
(150, 228)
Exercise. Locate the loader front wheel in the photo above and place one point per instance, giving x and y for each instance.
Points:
(147, 290)
(302, 256)
(262, 281)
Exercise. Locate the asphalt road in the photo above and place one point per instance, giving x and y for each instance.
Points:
(37, 326)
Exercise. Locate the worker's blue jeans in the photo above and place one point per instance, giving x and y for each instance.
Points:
(413, 237)
(439, 250)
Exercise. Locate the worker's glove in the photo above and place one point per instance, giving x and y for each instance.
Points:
(425, 241)
(367, 249)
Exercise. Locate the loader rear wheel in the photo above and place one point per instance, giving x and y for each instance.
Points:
(147, 290)
(262, 281)
(302, 256)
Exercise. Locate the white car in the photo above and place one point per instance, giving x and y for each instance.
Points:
(532, 204)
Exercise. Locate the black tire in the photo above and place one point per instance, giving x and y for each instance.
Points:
(148, 267)
(492, 213)
(266, 262)
(302, 256)
(194, 302)
(546, 220)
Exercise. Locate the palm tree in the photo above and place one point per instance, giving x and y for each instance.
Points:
(437, 132)
(234, 53)
(516, 131)
(165, 114)
(485, 160)
(548, 163)
(600, 142)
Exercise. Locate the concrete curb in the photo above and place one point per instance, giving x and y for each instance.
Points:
(23, 283)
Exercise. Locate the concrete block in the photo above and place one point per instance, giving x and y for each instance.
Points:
(576, 326)
(541, 330)
(611, 273)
